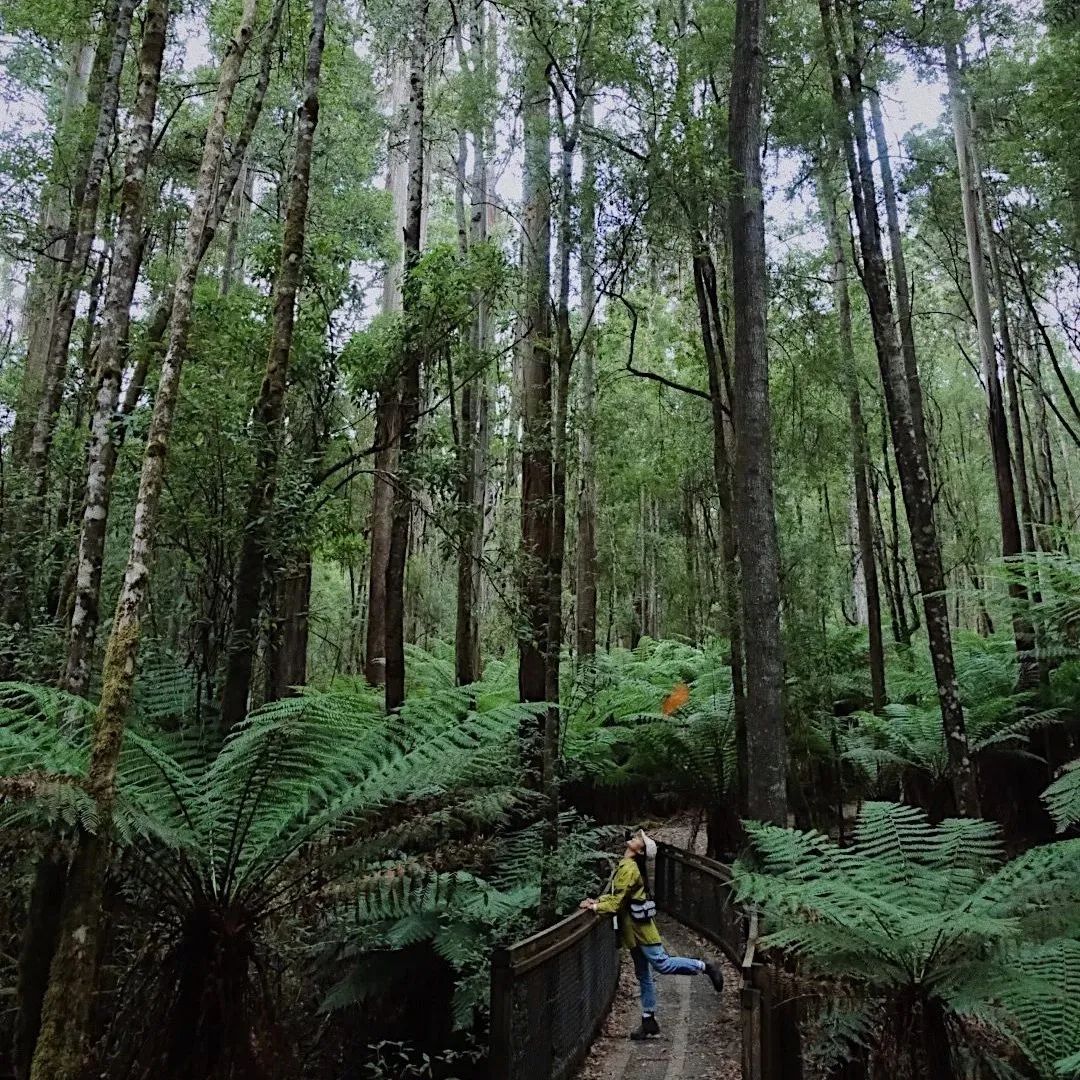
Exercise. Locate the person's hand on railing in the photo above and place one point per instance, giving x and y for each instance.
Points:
(588, 904)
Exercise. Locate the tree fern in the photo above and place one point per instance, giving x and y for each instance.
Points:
(908, 734)
(316, 802)
(913, 912)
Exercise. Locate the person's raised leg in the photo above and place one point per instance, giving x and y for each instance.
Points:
(682, 965)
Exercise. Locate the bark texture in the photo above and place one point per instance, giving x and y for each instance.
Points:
(766, 750)
(112, 353)
(83, 229)
(859, 450)
(536, 389)
(66, 1013)
(270, 407)
(386, 409)
(99, 122)
(55, 215)
(910, 459)
(971, 198)
(408, 385)
(900, 281)
(586, 569)
(473, 436)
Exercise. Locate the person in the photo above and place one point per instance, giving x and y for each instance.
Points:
(629, 900)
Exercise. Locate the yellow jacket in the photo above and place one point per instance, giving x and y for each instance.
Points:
(627, 885)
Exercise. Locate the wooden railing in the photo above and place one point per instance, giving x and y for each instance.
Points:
(698, 892)
(551, 992)
(549, 996)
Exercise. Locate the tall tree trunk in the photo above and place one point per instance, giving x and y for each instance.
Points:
(859, 451)
(536, 390)
(911, 463)
(38, 944)
(473, 449)
(540, 748)
(107, 428)
(112, 353)
(971, 198)
(713, 343)
(83, 229)
(270, 407)
(408, 386)
(766, 742)
(386, 409)
(66, 1013)
(900, 281)
(587, 569)
(564, 362)
(239, 208)
(286, 665)
(55, 216)
(100, 120)
(1027, 520)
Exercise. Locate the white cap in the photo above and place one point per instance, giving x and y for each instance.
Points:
(650, 844)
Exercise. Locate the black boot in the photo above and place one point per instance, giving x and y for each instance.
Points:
(716, 976)
(649, 1029)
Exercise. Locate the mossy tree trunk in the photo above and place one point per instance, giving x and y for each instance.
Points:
(270, 407)
(67, 1011)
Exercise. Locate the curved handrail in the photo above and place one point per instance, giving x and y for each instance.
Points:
(540, 947)
(550, 993)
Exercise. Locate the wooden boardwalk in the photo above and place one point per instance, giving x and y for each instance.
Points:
(699, 1037)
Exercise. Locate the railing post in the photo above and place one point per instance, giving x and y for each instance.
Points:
(752, 1064)
(502, 1009)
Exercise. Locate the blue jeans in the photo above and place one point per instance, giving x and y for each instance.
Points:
(649, 957)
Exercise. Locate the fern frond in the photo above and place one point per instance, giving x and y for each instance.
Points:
(1062, 797)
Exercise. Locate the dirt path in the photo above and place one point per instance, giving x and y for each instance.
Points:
(699, 1037)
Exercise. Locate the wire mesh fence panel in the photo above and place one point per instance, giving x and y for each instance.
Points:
(549, 995)
(698, 892)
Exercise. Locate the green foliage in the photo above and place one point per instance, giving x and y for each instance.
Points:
(908, 734)
(916, 912)
(1062, 797)
(314, 803)
(616, 732)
